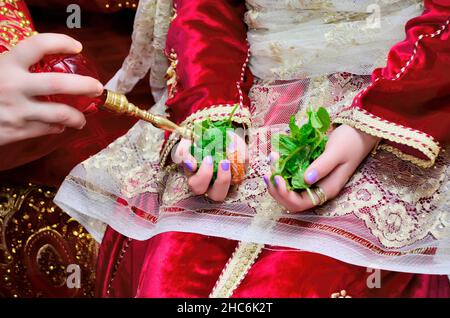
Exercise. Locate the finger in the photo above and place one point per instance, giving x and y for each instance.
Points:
(220, 188)
(271, 188)
(294, 202)
(33, 49)
(335, 181)
(182, 156)
(43, 84)
(199, 182)
(37, 129)
(323, 165)
(237, 144)
(273, 158)
(54, 113)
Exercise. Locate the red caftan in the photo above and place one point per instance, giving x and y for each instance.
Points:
(206, 43)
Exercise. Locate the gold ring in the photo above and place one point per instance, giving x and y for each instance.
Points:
(321, 195)
(312, 196)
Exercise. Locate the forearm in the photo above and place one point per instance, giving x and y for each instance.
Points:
(408, 102)
(207, 48)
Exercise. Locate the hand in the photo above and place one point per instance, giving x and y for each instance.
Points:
(200, 177)
(22, 116)
(346, 149)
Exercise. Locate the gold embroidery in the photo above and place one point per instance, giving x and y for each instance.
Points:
(16, 26)
(236, 269)
(373, 125)
(171, 74)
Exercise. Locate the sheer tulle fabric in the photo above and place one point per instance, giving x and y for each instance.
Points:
(391, 215)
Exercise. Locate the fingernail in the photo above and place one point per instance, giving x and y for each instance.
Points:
(311, 176)
(100, 89)
(277, 181)
(82, 126)
(188, 165)
(79, 46)
(209, 160)
(269, 159)
(225, 165)
(266, 180)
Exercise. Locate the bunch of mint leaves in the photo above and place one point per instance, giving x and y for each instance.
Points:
(212, 140)
(300, 148)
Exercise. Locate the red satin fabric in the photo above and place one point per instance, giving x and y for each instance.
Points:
(209, 38)
(188, 265)
(420, 98)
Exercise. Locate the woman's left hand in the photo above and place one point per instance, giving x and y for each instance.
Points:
(345, 150)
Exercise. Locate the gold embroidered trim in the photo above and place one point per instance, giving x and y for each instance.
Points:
(215, 113)
(376, 126)
(236, 269)
(15, 27)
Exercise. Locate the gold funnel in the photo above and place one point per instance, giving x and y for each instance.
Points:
(118, 103)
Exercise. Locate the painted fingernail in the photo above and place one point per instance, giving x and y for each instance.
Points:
(277, 181)
(209, 160)
(311, 176)
(188, 165)
(225, 165)
(266, 180)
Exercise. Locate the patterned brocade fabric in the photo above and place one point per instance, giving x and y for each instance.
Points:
(42, 250)
(15, 23)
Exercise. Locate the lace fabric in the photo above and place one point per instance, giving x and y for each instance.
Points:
(303, 39)
(390, 215)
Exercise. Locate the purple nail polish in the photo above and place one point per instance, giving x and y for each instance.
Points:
(266, 180)
(225, 165)
(277, 181)
(311, 176)
(209, 160)
(189, 165)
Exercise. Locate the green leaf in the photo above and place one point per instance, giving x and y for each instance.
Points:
(284, 144)
(295, 130)
(324, 118)
(301, 147)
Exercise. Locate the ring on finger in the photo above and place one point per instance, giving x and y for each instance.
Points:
(321, 195)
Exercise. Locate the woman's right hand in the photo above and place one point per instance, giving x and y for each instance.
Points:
(22, 116)
(200, 174)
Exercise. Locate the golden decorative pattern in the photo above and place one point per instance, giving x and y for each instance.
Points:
(236, 269)
(38, 242)
(171, 74)
(375, 126)
(14, 25)
(120, 4)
